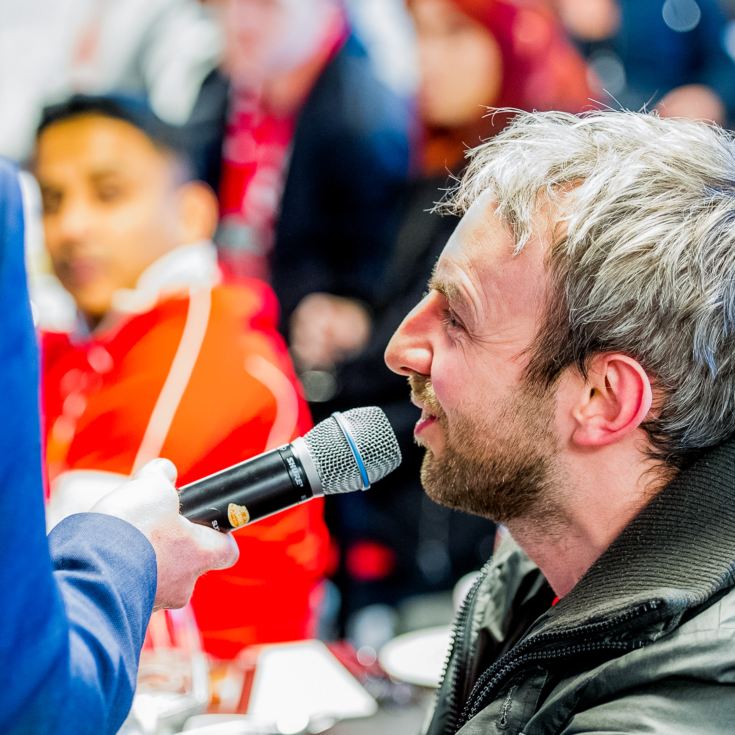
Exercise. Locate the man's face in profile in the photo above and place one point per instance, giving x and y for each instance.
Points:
(489, 437)
(109, 206)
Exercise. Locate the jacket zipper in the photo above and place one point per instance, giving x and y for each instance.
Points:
(488, 682)
(457, 643)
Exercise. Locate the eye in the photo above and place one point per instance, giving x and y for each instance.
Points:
(50, 201)
(109, 193)
(450, 320)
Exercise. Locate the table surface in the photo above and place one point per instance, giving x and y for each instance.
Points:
(389, 720)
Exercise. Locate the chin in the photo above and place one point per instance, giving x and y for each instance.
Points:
(433, 451)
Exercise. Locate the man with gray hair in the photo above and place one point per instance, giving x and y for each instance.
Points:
(574, 360)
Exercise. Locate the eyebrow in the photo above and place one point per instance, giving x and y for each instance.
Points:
(450, 291)
(96, 176)
(106, 173)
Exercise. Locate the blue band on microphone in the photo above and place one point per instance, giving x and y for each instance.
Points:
(337, 416)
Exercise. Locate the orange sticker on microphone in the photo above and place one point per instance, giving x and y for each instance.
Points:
(237, 515)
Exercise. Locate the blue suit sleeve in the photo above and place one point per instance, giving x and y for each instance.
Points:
(73, 615)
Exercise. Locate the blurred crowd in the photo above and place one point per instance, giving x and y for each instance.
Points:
(235, 211)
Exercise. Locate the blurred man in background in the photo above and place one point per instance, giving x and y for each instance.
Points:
(76, 605)
(165, 361)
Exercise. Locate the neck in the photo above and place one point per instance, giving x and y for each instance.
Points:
(613, 484)
(192, 265)
(90, 321)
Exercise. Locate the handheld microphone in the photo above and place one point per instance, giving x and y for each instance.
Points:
(345, 452)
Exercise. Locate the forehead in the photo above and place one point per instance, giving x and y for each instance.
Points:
(95, 141)
(479, 261)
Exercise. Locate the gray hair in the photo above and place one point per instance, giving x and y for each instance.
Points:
(645, 264)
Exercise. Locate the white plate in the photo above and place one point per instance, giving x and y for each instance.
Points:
(417, 657)
(310, 680)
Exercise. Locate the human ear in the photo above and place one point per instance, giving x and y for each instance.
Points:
(198, 212)
(615, 399)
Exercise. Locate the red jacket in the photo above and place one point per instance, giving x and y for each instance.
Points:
(200, 377)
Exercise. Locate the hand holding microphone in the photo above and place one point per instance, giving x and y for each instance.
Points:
(345, 452)
(183, 550)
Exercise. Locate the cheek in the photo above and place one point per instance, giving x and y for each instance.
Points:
(135, 239)
(467, 389)
(447, 380)
(51, 238)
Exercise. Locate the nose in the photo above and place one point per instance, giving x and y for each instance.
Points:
(74, 220)
(410, 349)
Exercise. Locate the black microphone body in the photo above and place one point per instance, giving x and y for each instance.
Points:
(247, 491)
(343, 453)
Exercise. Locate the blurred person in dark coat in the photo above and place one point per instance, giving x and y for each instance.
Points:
(315, 155)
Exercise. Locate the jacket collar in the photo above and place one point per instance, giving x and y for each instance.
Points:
(185, 267)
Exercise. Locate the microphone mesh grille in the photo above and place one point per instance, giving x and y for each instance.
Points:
(333, 458)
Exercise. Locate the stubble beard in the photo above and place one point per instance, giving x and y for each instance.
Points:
(503, 471)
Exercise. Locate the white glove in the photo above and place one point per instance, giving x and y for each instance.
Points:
(184, 550)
